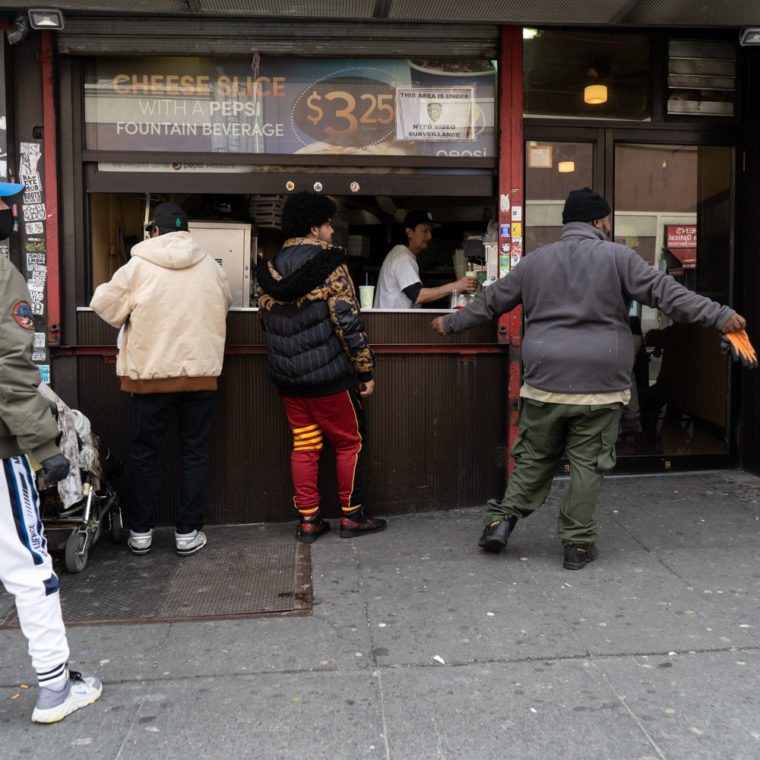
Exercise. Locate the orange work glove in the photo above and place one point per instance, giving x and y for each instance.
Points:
(741, 350)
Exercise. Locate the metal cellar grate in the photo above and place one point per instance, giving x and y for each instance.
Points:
(244, 571)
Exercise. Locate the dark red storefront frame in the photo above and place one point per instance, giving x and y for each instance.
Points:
(510, 196)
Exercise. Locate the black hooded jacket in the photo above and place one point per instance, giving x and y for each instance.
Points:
(315, 335)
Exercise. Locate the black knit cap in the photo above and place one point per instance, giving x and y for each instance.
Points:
(584, 205)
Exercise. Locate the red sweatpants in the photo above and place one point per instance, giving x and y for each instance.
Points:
(340, 417)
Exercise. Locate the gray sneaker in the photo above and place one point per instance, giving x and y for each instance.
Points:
(79, 691)
(189, 543)
(140, 543)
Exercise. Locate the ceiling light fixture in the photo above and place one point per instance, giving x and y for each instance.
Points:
(750, 35)
(45, 18)
(528, 33)
(595, 94)
(566, 167)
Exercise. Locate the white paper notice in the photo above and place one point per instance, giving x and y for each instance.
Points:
(435, 113)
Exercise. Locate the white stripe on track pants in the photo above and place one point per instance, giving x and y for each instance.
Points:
(26, 570)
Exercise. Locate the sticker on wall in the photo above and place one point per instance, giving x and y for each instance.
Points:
(44, 372)
(34, 212)
(37, 295)
(516, 213)
(36, 268)
(4, 247)
(505, 247)
(34, 257)
(317, 187)
(516, 230)
(504, 230)
(290, 186)
(354, 187)
(32, 207)
(504, 202)
(38, 276)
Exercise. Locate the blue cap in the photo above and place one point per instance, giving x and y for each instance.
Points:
(9, 189)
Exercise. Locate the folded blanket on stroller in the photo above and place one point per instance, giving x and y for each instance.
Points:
(79, 445)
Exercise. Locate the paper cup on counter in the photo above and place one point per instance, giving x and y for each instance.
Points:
(366, 296)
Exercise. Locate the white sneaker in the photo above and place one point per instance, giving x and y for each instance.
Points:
(53, 706)
(140, 543)
(189, 543)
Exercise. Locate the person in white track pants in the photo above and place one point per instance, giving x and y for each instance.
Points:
(28, 434)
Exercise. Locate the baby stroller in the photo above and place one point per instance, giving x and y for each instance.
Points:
(84, 503)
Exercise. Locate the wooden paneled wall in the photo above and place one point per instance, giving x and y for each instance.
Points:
(436, 422)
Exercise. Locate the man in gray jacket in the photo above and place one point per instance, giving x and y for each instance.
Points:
(577, 353)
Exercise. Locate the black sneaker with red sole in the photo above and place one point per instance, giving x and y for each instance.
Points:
(360, 525)
(310, 530)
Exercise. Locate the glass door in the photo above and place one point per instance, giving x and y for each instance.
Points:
(672, 204)
(552, 170)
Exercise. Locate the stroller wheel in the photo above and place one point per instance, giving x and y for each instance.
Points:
(76, 552)
(117, 525)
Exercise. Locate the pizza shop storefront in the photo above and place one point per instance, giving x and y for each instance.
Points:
(230, 136)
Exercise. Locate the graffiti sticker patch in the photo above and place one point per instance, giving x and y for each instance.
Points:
(22, 313)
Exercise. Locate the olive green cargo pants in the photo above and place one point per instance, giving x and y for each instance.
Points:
(545, 432)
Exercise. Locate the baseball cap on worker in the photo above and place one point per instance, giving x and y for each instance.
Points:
(584, 205)
(417, 216)
(9, 189)
(168, 217)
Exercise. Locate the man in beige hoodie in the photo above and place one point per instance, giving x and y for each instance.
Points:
(172, 300)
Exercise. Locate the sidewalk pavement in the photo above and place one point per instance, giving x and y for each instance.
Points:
(421, 646)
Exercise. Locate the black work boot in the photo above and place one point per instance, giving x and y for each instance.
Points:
(577, 556)
(494, 538)
(310, 530)
(356, 523)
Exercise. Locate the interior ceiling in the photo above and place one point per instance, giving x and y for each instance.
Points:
(663, 13)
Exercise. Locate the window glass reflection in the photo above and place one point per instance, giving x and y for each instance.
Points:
(672, 205)
(586, 74)
(552, 170)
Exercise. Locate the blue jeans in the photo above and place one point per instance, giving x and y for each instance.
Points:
(150, 418)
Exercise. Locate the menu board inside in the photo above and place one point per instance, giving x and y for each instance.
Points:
(272, 105)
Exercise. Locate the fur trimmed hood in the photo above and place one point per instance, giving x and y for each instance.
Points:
(297, 270)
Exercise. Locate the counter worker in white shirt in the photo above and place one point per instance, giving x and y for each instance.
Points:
(399, 285)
